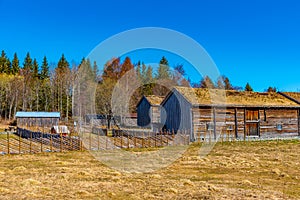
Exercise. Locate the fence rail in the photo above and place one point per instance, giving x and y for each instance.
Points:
(26, 141)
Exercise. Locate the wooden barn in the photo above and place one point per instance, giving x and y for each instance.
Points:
(245, 114)
(148, 110)
(36, 120)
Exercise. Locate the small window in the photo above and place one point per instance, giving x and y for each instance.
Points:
(210, 126)
(279, 127)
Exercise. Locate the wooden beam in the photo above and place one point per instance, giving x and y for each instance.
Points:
(298, 116)
(215, 123)
(235, 123)
(244, 123)
(258, 125)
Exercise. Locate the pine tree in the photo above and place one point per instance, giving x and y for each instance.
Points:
(149, 75)
(15, 65)
(164, 61)
(144, 70)
(220, 83)
(227, 83)
(138, 71)
(271, 89)
(95, 70)
(63, 63)
(248, 88)
(5, 65)
(148, 84)
(44, 69)
(35, 69)
(27, 65)
(163, 71)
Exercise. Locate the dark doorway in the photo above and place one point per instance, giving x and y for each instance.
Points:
(252, 129)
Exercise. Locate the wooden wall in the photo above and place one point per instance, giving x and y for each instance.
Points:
(269, 119)
(37, 122)
(176, 113)
(226, 121)
(155, 114)
(143, 117)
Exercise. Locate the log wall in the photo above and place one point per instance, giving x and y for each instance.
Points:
(232, 121)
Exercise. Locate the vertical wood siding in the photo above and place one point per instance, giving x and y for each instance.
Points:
(175, 113)
(143, 117)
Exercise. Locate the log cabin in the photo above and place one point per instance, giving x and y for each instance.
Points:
(214, 111)
(148, 110)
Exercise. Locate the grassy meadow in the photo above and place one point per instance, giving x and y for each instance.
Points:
(238, 170)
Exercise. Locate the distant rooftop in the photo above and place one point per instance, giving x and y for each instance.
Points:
(23, 114)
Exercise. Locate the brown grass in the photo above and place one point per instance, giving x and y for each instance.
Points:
(252, 170)
(155, 100)
(200, 96)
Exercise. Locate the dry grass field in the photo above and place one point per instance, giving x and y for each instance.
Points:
(239, 170)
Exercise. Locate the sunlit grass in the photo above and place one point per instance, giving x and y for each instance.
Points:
(251, 170)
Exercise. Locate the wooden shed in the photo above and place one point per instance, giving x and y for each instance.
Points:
(246, 114)
(148, 110)
(36, 120)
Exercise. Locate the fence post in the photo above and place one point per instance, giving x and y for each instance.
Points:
(161, 142)
(121, 140)
(41, 142)
(90, 141)
(8, 146)
(60, 142)
(149, 139)
(19, 142)
(71, 143)
(30, 144)
(167, 137)
(186, 136)
(98, 139)
(128, 141)
(142, 140)
(173, 136)
(222, 135)
(106, 142)
(134, 139)
(51, 142)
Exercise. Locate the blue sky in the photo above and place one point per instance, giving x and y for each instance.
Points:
(255, 41)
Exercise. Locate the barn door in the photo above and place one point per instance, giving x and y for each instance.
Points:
(252, 122)
(252, 129)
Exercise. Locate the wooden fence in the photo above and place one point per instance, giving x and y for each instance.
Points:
(27, 141)
(98, 139)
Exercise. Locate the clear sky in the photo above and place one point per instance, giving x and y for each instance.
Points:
(255, 41)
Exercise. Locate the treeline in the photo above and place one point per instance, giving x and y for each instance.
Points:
(30, 86)
(33, 87)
